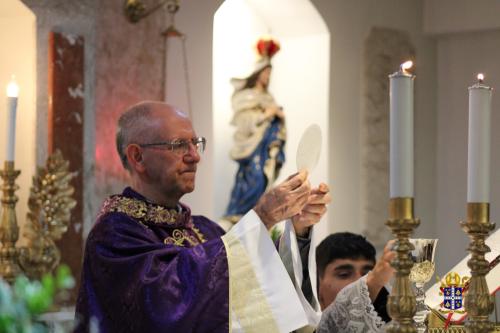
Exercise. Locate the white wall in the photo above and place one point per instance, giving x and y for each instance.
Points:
(18, 57)
(349, 23)
(467, 43)
(195, 19)
(237, 26)
(299, 80)
(444, 16)
(460, 58)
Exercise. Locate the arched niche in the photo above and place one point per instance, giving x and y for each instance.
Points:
(299, 82)
(18, 57)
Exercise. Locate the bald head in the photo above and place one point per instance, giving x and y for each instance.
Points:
(137, 124)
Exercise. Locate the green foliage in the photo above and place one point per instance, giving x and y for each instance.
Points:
(22, 303)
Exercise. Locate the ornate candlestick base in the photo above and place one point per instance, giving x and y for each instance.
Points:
(478, 301)
(401, 304)
(9, 231)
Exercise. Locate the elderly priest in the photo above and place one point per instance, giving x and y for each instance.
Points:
(151, 266)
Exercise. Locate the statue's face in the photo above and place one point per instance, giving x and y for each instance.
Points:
(265, 77)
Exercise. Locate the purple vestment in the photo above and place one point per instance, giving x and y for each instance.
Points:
(148, 268)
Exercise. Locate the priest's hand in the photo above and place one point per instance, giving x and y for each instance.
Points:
(312, 211)
(382, 272)
(285, 200)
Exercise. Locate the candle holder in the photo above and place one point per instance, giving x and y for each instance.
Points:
(478, 301)
(9, 231)
(401, 303)
(50, 203)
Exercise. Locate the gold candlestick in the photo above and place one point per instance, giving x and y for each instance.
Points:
(401, 304)
(9, 231)
(478, 301)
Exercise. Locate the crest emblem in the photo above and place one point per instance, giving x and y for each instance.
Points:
(453, 289)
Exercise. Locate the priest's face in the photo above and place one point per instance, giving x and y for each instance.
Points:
(171, 172)
(338, 274)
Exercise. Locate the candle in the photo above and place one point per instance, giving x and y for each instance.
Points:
(401, 132)
(12, 93)
(478, 164)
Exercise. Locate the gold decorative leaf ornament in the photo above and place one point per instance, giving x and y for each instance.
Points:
(50, 205)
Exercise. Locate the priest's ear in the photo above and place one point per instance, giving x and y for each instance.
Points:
(134, 158)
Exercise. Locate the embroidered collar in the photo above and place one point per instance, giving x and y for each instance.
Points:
(136, 206)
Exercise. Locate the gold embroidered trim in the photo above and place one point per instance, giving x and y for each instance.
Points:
(200, 236)
(147, 212)
(139, 209)
(246, 298)
(180, 236)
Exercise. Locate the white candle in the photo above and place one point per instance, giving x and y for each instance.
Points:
(478, 164)
(12, 93)
(401, 132)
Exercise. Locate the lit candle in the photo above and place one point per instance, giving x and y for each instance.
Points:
(401, 132)
(12, 93)
(478, 164)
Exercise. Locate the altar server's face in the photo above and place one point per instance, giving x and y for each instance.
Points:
(172, 172)
(338, 274)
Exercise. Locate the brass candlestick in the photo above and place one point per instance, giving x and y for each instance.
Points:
(478, 301)
(401, 304)
(9, 231)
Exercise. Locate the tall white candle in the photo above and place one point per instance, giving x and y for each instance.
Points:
(478, 164)
(12, 93)
(401, 132)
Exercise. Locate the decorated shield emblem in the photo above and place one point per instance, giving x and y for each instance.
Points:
(453, 298)
(453, 289)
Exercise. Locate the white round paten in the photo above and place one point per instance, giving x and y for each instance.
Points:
(309, 148)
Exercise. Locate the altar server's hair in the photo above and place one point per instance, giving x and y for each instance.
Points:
(343, 245)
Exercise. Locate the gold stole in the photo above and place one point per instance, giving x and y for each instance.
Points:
(247, 301)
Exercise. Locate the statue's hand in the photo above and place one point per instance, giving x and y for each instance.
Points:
(274, 111)
(313, 210)
(285, 200)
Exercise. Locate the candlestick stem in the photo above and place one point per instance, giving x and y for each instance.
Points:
(478, 301)
(9, 231)
(401, 304)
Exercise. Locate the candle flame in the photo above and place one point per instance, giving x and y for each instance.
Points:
(480, 77)
(12, 88)
(406, 65)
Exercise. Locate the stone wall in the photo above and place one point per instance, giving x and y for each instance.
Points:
(122, 65)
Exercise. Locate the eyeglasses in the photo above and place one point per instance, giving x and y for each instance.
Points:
(180, 147)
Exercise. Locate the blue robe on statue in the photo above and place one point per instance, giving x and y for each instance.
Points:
(258, 149)
(251, 181)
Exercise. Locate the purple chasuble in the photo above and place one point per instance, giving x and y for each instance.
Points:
(149, 268)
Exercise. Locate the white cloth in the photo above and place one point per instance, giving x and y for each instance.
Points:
(274, 282)
(290, 255)
(351, 312)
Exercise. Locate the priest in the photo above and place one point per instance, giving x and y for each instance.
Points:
(151, 266)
